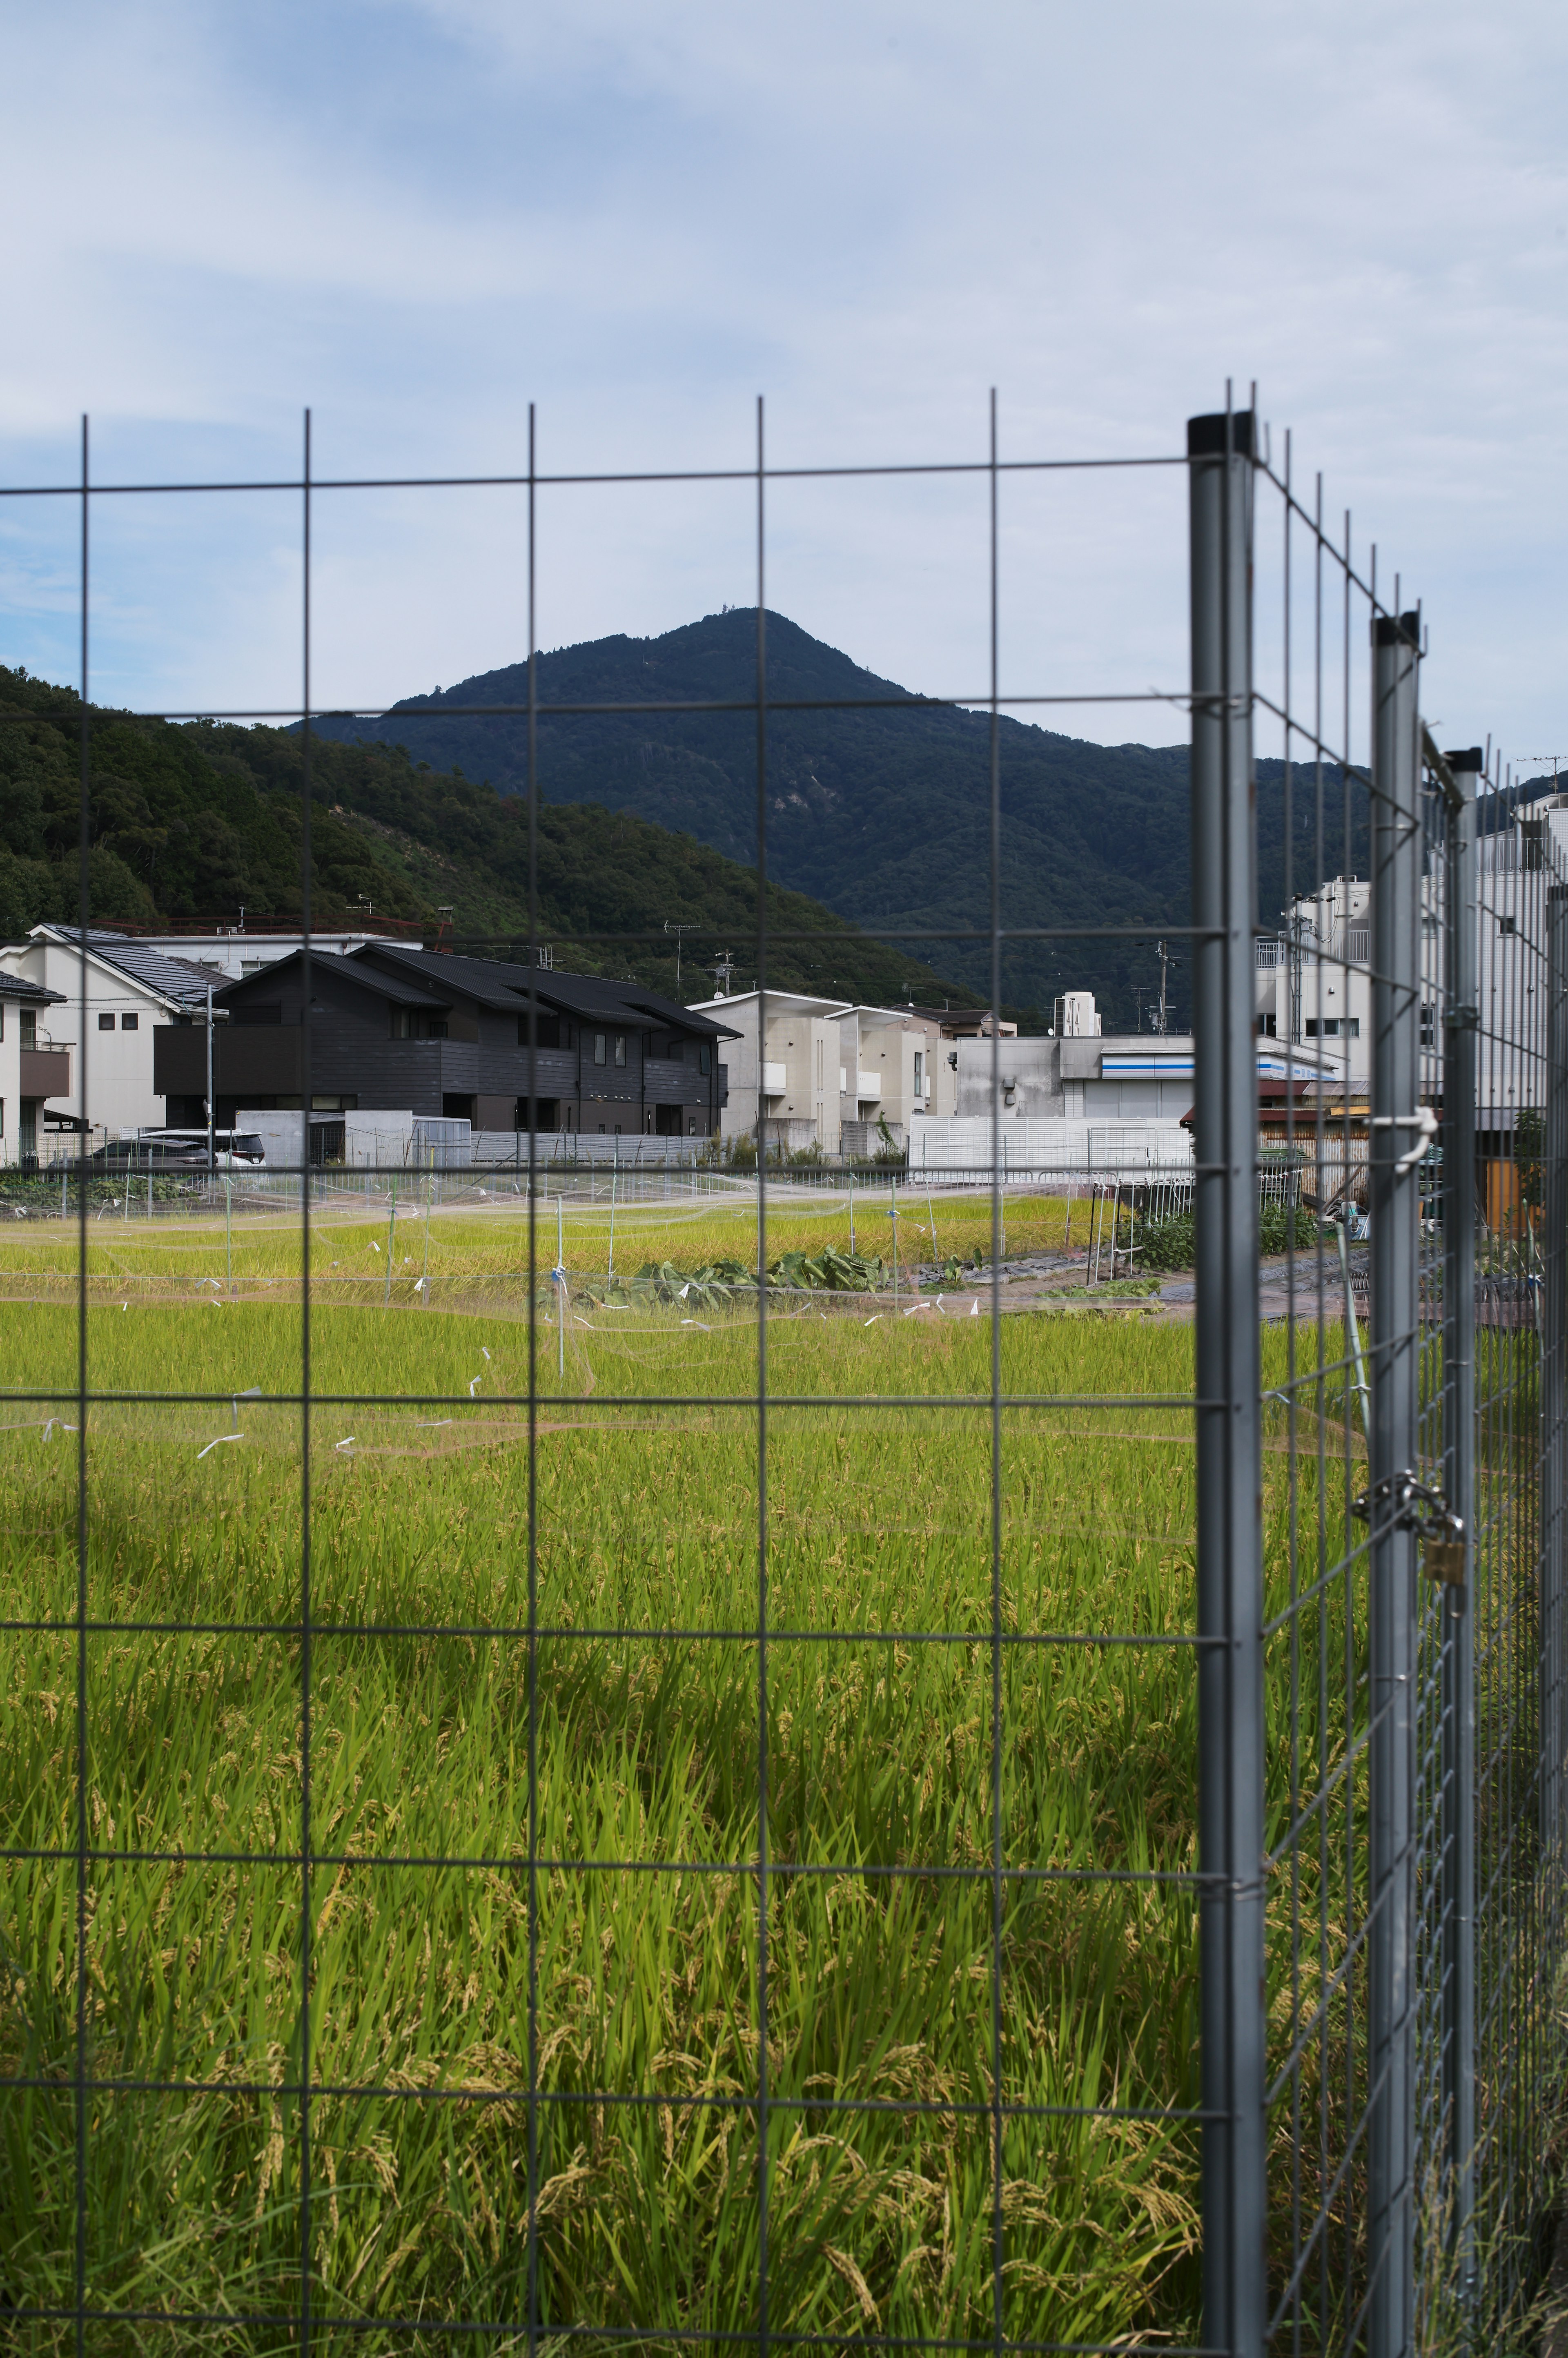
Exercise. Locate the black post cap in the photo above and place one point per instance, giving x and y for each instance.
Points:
(1472, 758)
(1392, 630)
(1206, 436)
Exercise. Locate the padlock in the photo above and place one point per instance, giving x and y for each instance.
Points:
(1443, 1560)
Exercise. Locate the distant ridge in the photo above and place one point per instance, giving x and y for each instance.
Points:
(198, 824)
(880, 815)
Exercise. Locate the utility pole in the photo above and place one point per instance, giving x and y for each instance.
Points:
(723, 972)
(1164, 963)
(678, 931)
(211, 1109)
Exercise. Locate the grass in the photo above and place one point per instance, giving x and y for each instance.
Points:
(353, 1242)
(639, 1704)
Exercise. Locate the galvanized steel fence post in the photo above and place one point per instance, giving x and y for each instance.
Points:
(1458, 1766)
(1396, 845)
(1229, 1480)
(1554, 1399)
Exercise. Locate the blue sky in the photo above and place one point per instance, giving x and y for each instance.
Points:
(418, 215)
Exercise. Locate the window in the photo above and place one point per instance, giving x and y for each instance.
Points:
(1429, 1027)
(1268, 1027)
(1332, 1027)
(251, 966)
(920, 1073)
(1506, 925)
(620, 1048)
(130, 1022)
(105, 1023)
(546, 1032)
(29, 1027)
(600, 1045)
(704, 1061)
(437, 1028)
(1, 1019)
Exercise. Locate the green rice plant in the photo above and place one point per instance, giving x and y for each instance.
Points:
(621, 1975)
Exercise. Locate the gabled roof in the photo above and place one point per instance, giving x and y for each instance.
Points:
(396, 987)
(499, 983)
(174, 979)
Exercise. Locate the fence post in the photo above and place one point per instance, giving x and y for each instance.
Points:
(1395, 1373)
(1554, 1394)
(1229, 1383)
(1458, 1768)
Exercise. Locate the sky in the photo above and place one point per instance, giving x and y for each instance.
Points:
(417, 217)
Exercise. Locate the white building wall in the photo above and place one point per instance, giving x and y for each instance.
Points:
(119, 1060)
(228, 955)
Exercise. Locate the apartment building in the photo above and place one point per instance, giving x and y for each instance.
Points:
(819, 1072)
(1314, 981)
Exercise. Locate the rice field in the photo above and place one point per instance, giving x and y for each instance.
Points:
(621, 1972)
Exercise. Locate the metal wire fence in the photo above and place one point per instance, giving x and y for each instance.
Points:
(861, 1773)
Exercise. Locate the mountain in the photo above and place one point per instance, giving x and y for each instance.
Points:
(195, 824)
(881, 814)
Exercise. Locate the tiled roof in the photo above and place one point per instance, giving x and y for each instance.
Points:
(348, 969)
(17, 986)
(172, 979)
(497, 982)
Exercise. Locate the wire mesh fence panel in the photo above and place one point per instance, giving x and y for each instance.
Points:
(711, 1737)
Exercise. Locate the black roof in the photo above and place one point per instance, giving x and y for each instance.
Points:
(17, 986)
(496, 982)
(401, 992)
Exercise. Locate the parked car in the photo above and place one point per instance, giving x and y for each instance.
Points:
(181, 1150)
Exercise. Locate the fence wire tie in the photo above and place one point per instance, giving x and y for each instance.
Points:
(1410, 1505)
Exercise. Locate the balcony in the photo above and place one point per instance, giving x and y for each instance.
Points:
(46, 1072)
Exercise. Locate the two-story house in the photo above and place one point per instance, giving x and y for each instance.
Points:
(132, 994)
(819, 1072)
(32, 1072)
(469, 1039)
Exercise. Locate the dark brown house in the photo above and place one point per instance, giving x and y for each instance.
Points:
(436, 1035)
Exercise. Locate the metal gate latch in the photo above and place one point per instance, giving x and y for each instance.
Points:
(1410, 1505)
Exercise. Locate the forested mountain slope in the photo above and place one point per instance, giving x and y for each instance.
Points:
(882, 814)
(194, 824)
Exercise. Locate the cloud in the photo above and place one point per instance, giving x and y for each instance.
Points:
(420, 215)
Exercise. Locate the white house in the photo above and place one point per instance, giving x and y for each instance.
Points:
(35, 1078)
(131, 989)
(824, 1067)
